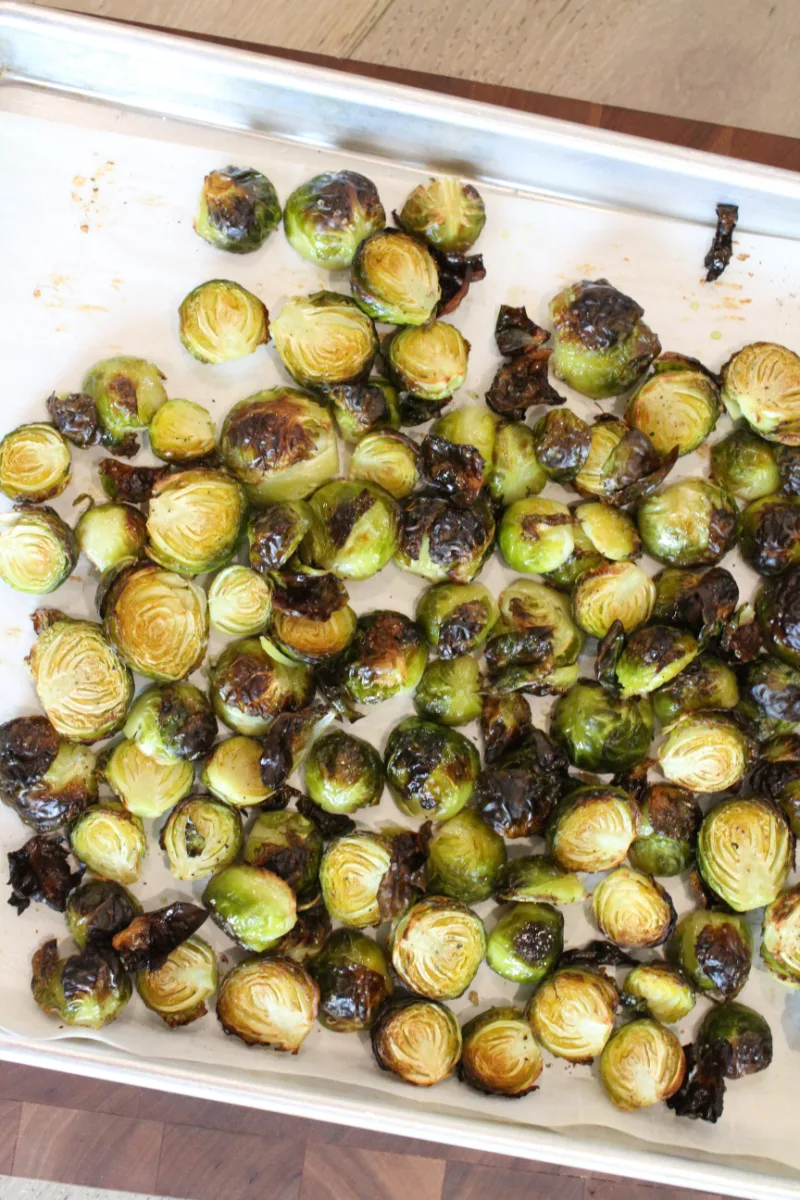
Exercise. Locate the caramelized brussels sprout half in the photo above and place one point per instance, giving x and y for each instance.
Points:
(769, 533)
(268, 1002)
(324, 339)
(250, 686)
(705, 752)
(356, 529)
(770, 699)
(351, 875)
(417, 1040)
(275, 534)
(632, 910)
(780, 937)
(128, 393)
(38, 550)
(182, 432)
(196, 520)
(171, 722)
(430, 362)
(289, 845)
(651, 657)
(745, 852)
(452, 471)
(641, 1065)
(35, 463)
(89, 989)
(778, 616)
(500, 1055)
(623, 466)
(516, 471)
(600, 731)
(109, 533)
(516, 793)
(761, 383)
(537, 877)
(592, 828)
(440, 541)
(343, 773)
(677, 406)
(744, 465)
(251, 905)
(528, 607)
(437, 946)
(666, 994)
(572, 1013)
(526, 943)
(47, 781)
(232, 772)
(311, 640)
(743, 1036)
(98, 910)
(386, 658)
(157, 621)
(450, 691)
(446, 212)
(368, 406)
(239, 601)
(611, 532)
(714, 950)
(457, 617)
(305, 940)
(667, 836)
(237, 210)
(178, 989)
(431, 770)
(394, 278)
(201, 836)
(614, 591)
(328, 217)
(535, 535)
(691, 521)
(465, 858)
(602, 345)
(562, 442)
(220, 320)
(473, 425)
(704, 683)
(110, 841)
(354, 980)
(388, 460)
(146, 787)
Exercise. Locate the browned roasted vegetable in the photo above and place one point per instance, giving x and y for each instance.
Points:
(453, 471)
(516, 794)
(132, 484)
(40, 870)
(522, 381)
(719, 255)
(76, 418)
(151, 937)
(506, 724)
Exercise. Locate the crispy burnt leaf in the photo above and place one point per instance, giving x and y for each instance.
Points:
(608, 655)
(454, 471)
(634, 469)
(314, 595)
(330, 825)
(741, 640)
(516, 794)
(407, 875)
(457, 272)
(286, 741)
(719, 255)
(150, 938)
(522, 381)
(594, 954)
(524, 647)
(28, 748)
(76, 418)
(515, 333)
(506, 724)
(133, 484)
(702, 1093)
(40, 870)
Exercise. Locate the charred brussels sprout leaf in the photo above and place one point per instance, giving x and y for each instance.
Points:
(431, 770)
(743, 1032)
(109, 533)
(182, 432)
(745, 466)
(526, 942)
(562, 442)
(328, 217)
(37, 550)
(788, 462)
(721, 249)
(48, 782)
(249, 686)
(146, 787)
(151, 937)
(128, 393)
(386, 658)
(76, 418)
(437, 946)
(697, 600)
(110, 841)
(201, 836)
(361, 408)
(417, 1040)
(196, 520)
(457, 617)
(515, 795)
(351, 874)
(324, 339)
(473, 427)
(452, 471)
(667, 836)
(506, 724)
(429, 362)
(592, 828)
(99, 909)
(448, 213)
(133, 485)
(780, 937)
(305, 940)
(239, 601)
(601, 732)
(232, 772)
(394, 278)
(677, 406)
(705, 752)
(500, 1056)
(439, 541)
(35, 463)
(269, 1002)
(702, 1093)
(527, 607)
(220, 320)
(745, 852)
(572, 1013)
(237, 210)
(632, 910)
(663, 990)
(622, 465)
(769, 533)
(537, 877)
(692, 521)
(251, 905)
(287, 742)
(178, 989)
(354, 980)
(778, 616)
(356, 529)
(715, 950)
(157, 621)
(40, 870)
(89, 989)
(343, 773)
(641, 1064)
(536, 535)
(289, 845)
(521, 381)
(762, 384)
(275, 533)
(652, 657)
(171, 722)
(450, 691)
(614, 591)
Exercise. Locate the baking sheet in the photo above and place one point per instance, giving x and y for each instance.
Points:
(97, 267)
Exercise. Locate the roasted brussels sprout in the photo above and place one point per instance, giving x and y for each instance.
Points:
(356, 529)
(715, 950)
(599, 731)
(232, 772)
(201, 836)
(705, 752)
(250, 686)
(440, 541)
(437, 946)
(151, 937)
(450, 691)
(614, 591)
(109, 533)
(745, 851)
(506, 724)
(305, 940)
(352, 876)
(691, 521)
(47, 781)
(705, 683)
(328, 217)
(196, 520)
(178, 989)
(394, 278)
(312, 639)
(128, 393)
(354, 979)
(516, 793)
(251, 905)
(760, 383)
(535, 609)
(130, 485)
(182, 432)
(220, 320)
(500, 1055)
(289, 845)
(677, 406)
(665, 844)
(76, 418)
(572, 1013)
(239, 601)
(343, 773)
(632, 910)
(387, 459)
(744, 465)
(287, 742)
(457, 617)
(98, 910)
(324, 339)
(429, 362)
(172, 721)
(82, 683)
(275, 533)
(562, 442)
(237, 210)
(269, 1002)
(780, 937)
(788, 461)
(526, 942)
(777, 775)
(37, 549)
(446, 212)
(535, 535)
(516, 472)
(769, 533)
(472, 426)
(698, 600)
(89, 989)
(778, 616)
(611, 532)
(465, 858)
(651, 657)
(386, 658)
(666, 994)
(41, 870)
(623, 466)
(743, 1032)
(641, 1064)
(455, 472)
(770, 700)
(592, 828)
(417, 1040)
(35, 463)
(537, 877)
(110, 841)
(370, 406)
(431, 770)
(146, 787)
(156, 620)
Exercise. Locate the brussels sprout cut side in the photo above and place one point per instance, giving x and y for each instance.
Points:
(352, 871)
(780, 937)
(37, 550)
(394, 278)
(232, 772)
(201, 836)
(677, 406)
(572, 1013)
(237, 210)
(429, 362)
(745, 851)
(157, 621)
(220, 320)
(500, 1055)
(35, 463)
(110, 841)
(389, 460)
(642, 1064)
(666, 993)
(324, 339)
(196, 520)
(609, 592)
(592, 829)
(417, 1040)
(146, 787)
(632, 910)
(182, 432)
(437, 947)
(705, 752)
(239, 602)
(177, 990)
(762, 384)
(269, 1002)
(446, 212)
(327, 218)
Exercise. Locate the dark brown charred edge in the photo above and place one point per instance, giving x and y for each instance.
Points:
(347, 513)
(193, 731)
(701, 1095)
(751, 1053)
(769, 538)
(517, 794)
(268, 434)
(788, 462)
(521, 383)
(454, 534)
(634, 780)
(414, 410)
(457, 273)
(506, 724)
(563, 442)
(418, 748)
(106, 907)
(455, 471)
(286, 741)
(705, 896)
(330, 679)
(609, 651)
(673, 812)
(407, 874)
(462, 628)
(96, 970)
(740, 641)
(515, 333)
(45, 963)
(289, 861)
(150, 939)
(597, 953)
(76, 418)
(309, 934)
(246, 683)
(721, 251)
(330, 825)
(600, 316)
(43, 618)
(364, 403)
(778, 698)
(723, 957)
(28, 748)
(703, 604)
(272, 535)
(350, 994)
(316, 597)
(722, 532)
(45, 810)
(645, 486)
(132, 484)
(40, 870)
(669, 360)
(532, 646)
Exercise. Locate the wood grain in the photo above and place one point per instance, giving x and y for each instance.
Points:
(336, 1173)
(205, 1164)
(10, 1114)
(465, 1182)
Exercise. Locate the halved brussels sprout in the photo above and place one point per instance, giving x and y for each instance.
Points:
(431, 770)
(652, 657)
(516, 793)
(642, 1064)
(446, 212)
(778, 616)
(437, 946)
(769, 533)
(37, 550)
(741, 1033)
(770, 700)
(35, 463)
(157, 621)
(251, 905)
(623, 466)
(109, 533)
(89, 989)
(677, 406)
(745, 852)
(146, 787)
(604, 437)
(705, 752)
(250, 686)
(232, 772)
(430, 362)
(592, 828)
(691, 521)
(527, 607)
(220, 320)
(563, 442)
(583, 558)
(239, 601)
(81, 681)
(780, 937)
(537, 877)
(667, 835)
(417, 1040)
(237, 210)
(500, 1056)
(386, 658)
(311, 640)
(289, 845)
(328, 217)
(361, 408)
(394, 278)
(48, 782)
(516, 472)
(387, 459)
(698, 600)
(788, 461)
(98, 910)
(599, 731)
(200, 837)
(182, 432)
(526, 943)
(356, 529)
(705, 683)
(128, 393)
(668, 996)
(714, 949)
(275, 533)
(269, 1002)
(762, 384)
(324, 339)
(196, 520)
(457, 617)
(572, 1013)
(473, 425)
(110, 841)
(354, 979)
(615, 591)
(611, 532)
(171, 722)
(305, 940)
(351, 874)
(744, 465)
(178, 989)
(465, 858)
(343, 773)
(535, 535)
(441, 541)
(450, 691)
(632, 910)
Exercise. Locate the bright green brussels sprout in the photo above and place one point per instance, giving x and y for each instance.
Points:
(762, 384)
(343, 773)
(35, 463)
(448, 213)
(465, 858)
(450, 691)
(431, 770)
(632, 910)
(82, 683)
(417, 1040)
(250, 686)
(237, 210)
(239, 601)
(394, 279)
(220, 320)
(275, 533)
(128, 393)
(516, 472)
(641, 1064)
(572, 1013)
(537, 877)
(200, 837)
(677, 406)
(526, 943)
(714, 949)
(527, 606)
(535, 535)
(109, 533)
(457, 617)
(437, 946)
(146, 787)
(562, 442)
(780, 937)
(324, 339)
(329, 216)
(745, 851)
(691, 521)
(652, 657)
(474, 425)
(500, 1056)
(361, 408)
(430, 362)
(110, 841)
(178, 989)
(602, 345)
(89, 989)
(280, 444)
(289, 845)
(614, 591)
(592, 828)
(157, 621)
(351, 874)
(769, 533)
(388, 460)
(744, 465)
(706, 683)
(196, 520)
(599, 731)
(441, 541)
(171, 722)
(356, 529)
(269, 1002)
(665, 844)
(37, 550)
(611, 532)
(583, 558)
(354, 979)
(182, 432)
(778, 616)
(251, 905)
(232, 772)
(705, 752)
(386, 658)
(668, 996)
